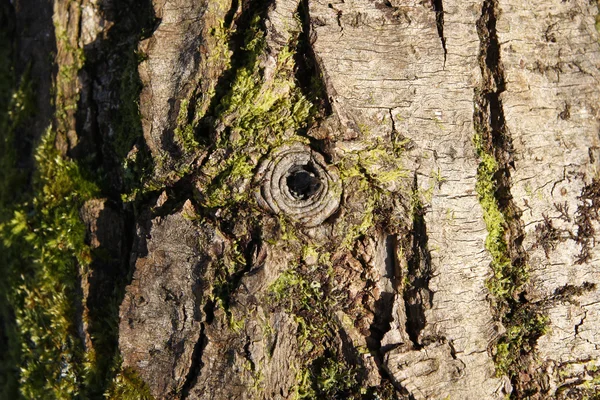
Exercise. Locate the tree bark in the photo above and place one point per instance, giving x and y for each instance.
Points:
(336, 199)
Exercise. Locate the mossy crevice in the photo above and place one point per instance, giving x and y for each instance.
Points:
(253, 118)
(308, 73)
(224, 50)
(523, 321)
(307, 294)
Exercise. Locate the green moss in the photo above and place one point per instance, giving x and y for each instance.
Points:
(219, 59)
(354, 175)
(374, 174)
(524, 325)
(227, 186)
(45, 252)
(523, 330)
(184, 132)
(591, 387)
(128, 386)
(303, 297)
(508, 278)
(382, 165)
(306, 293)
(310, 252)
(228, 271)
(258, 116)
(334, 376)
(303, 292)
(327, 378)
(355, 231)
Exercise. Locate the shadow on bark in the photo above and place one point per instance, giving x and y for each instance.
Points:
(417, 296)
(27, 42)
(109, 127)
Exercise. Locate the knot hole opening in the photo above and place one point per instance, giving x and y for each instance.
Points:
(303, 181)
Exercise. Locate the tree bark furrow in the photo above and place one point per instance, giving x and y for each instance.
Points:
(554, 140)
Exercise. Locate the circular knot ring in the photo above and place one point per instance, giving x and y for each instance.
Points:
(296, 181)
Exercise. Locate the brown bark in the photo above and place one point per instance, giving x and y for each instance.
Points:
(277, 253)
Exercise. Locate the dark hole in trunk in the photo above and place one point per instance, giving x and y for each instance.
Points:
(303, 182)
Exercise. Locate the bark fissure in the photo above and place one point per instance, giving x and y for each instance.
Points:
(308, 73)
(381, 324)
(231, 280)
(581, 321)
(197, 364)
(417, 296)
(394, 131)
(248, 353)
(587, 213)
(493, 142)
(104, 138)
(229, 17)
(87, 121)
(438, 7)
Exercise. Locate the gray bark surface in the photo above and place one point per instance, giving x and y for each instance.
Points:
(551, 110)
(396, 85)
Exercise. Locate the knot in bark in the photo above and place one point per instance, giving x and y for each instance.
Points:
(297, 182)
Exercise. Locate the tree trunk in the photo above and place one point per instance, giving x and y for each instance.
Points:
(351, 199)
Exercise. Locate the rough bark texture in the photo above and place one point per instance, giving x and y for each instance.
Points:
(550, 106)
(338, 199)
(397, 85)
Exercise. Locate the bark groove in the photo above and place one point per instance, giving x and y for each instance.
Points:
(505, 228)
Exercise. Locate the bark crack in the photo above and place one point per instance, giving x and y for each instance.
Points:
(502, 217)
(381, 324)
(308, 72)
(587, 213)
(229, 17)
(393, 122)
(578, 325)
(338, 16)
(417, 296)
(438, 7)
(197, 364)
(248, 354)
(240, 56)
